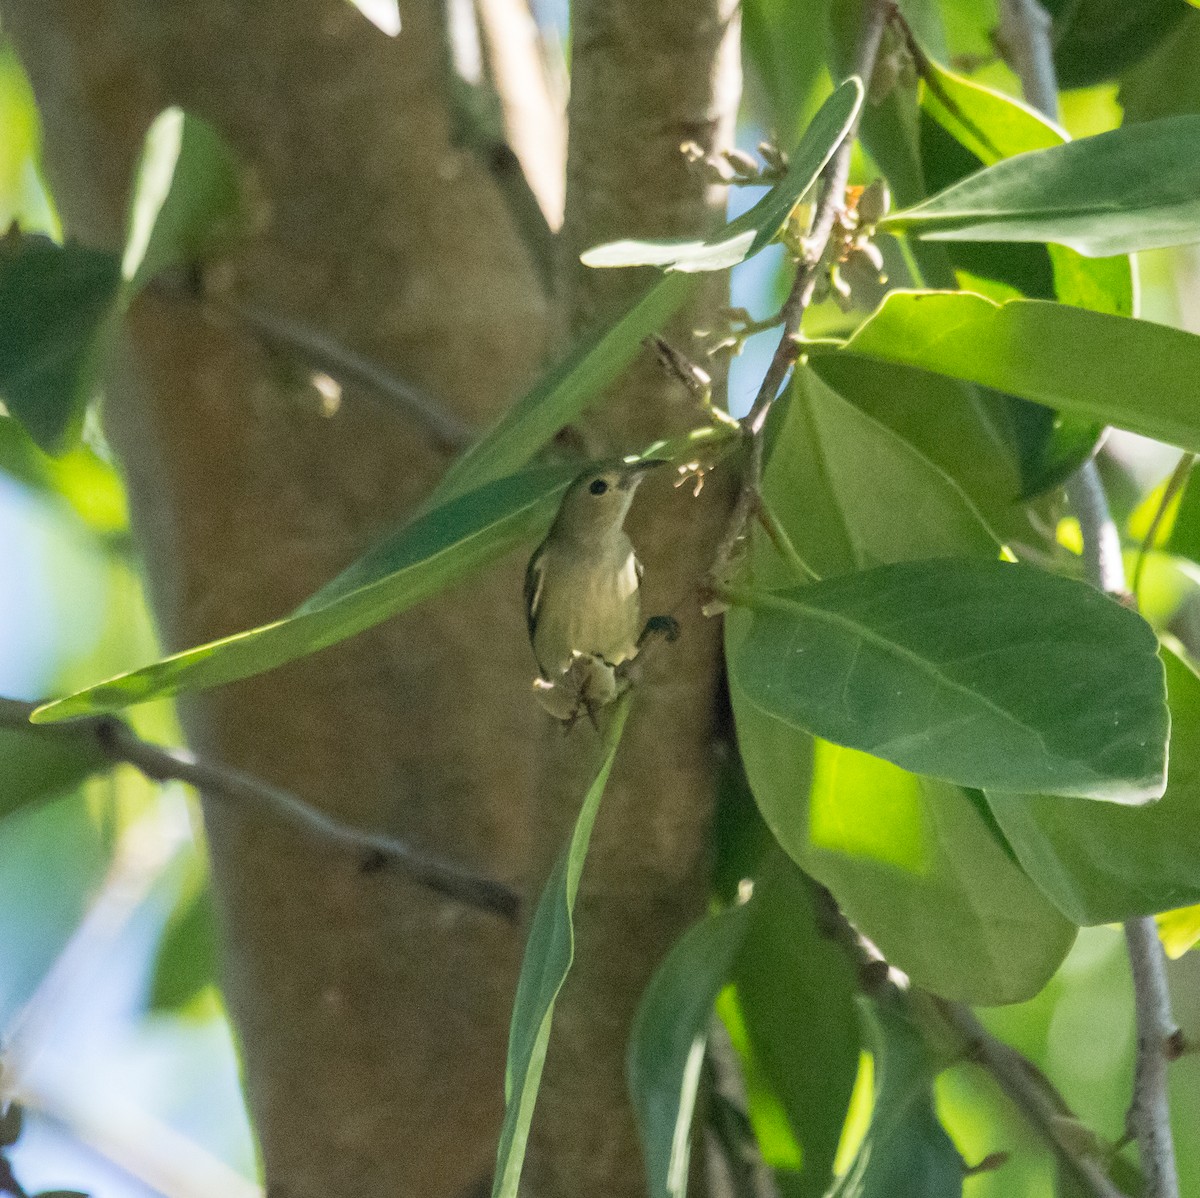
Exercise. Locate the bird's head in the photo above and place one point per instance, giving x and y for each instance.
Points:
(596, 502)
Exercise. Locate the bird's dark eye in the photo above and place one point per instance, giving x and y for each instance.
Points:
(598, 487)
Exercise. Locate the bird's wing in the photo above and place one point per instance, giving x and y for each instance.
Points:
(534, 578)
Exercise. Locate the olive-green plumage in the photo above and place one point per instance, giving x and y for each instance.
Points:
(581, 587)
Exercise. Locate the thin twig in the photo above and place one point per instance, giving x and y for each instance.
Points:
(829, 209)
(1020, 1079)
(1024, 38)
(115, 741)
(1175, 484)
(342, 363)
(1032, 1093)
(1025, 34)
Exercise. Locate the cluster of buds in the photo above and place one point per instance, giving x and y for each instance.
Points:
(737, 167)
(854, 277)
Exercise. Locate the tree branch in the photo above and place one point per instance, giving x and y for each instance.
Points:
(830, 207)
(1033, 1093)
(1030, 1090)
(1025, 35)
(116, 742)
(343, 363)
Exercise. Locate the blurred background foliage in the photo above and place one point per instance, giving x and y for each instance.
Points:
(109, 1011)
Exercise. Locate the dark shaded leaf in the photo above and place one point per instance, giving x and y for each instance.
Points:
(1101, 863)
(666, 1047)
(1095, 40)
(907, 1153)
(55, 305)
(796, 988)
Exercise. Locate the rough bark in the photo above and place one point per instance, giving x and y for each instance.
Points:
(644, 79)
(372, 1017)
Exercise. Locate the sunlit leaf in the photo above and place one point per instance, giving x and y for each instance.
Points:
(423, 558)
(187, 953)
(666, 1048)
(1134, 188)
(795, 990)
(185, 199)
(756, 229)
(855, 494)
(1131, 373)
(1179, 930)
(973, 671)
(549, 952)
(912, 861)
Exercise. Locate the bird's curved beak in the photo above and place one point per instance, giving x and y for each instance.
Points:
(632, 473)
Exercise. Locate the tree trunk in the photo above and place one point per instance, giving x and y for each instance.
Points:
(372, 1016)
(644, 79)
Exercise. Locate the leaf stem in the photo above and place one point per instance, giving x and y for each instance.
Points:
(116, 742)
(784, 544)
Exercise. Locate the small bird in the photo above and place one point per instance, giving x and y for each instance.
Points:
(581, 592)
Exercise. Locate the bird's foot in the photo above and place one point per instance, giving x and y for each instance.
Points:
(587, 685)
(666, 627)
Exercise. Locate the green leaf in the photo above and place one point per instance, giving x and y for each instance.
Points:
(55, 308)
(959, 428)
(185, 201)
(1101, 863)
(549, 952)
(852, 493)
(1133, 188)
(795, 989)
(906, 1153)
(12, 1123)
(910, 860)
(987, 123)
(187, 953)
(790, 63)
(986, 126)
(36, 766)
(426, 556)
(756, 229)
(666, 1049)
(1179, 930)
(1130, 373)
(973, 671)
(560, 397)
(59, 305)
(1095, 40)
(1166, 82)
